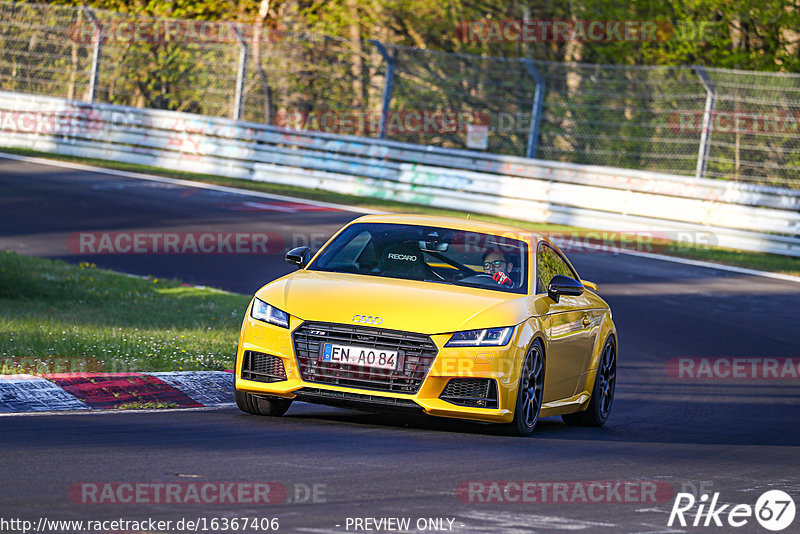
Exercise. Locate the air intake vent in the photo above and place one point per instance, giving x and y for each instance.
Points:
(262, 367)
(474, 392)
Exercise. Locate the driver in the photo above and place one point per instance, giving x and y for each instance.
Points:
(496, 265)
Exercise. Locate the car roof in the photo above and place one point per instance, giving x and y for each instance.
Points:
(454, 223)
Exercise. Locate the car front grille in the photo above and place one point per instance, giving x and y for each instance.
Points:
(474, 392)
(262, 367)
(418, 351)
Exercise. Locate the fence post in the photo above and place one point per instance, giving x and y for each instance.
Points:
(536, 109)
(97, 50)
(241, 73)
(387, 86)
(705, 134)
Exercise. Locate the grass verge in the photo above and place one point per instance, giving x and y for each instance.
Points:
(750, 260)
(57, 317)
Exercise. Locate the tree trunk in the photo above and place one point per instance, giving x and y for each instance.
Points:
(356, 48)
(255, 54)
(73, 75)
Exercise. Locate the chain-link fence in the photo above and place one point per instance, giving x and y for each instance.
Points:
(36, 54)
(686, 120)
(763, 144)
(620, 116)
(313, 82)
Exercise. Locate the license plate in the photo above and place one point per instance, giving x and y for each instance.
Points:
(362, 356)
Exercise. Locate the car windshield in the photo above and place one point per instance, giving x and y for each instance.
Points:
(429, 254)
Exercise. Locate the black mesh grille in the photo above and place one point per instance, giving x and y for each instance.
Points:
(475, 392)
(322, 395)
(418, 352)
(262, 367)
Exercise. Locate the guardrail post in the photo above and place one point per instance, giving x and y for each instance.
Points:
(97, 52)
(387, 86)
(241, 73)
(536, 109)
(705, 134)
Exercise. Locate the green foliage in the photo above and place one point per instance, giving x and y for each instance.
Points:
(744, 34)
(59, 317)
(190, 9)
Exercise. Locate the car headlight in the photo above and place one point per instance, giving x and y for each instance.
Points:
(488, 337)
(269, 314)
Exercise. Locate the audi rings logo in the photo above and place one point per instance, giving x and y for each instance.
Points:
(367, 319)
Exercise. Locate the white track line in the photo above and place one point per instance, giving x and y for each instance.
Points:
(187, 183)
(201, 185)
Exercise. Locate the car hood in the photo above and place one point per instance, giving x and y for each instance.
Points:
(408, 305)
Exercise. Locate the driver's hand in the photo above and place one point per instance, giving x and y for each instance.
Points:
(501, 278)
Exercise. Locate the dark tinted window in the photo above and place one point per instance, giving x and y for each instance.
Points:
(548, 264)
(430, 254)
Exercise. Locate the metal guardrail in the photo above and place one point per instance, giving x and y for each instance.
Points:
(739, 215)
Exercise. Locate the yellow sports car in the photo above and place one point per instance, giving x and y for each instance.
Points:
(448, 317)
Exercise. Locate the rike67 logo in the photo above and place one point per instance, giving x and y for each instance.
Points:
(774, 510)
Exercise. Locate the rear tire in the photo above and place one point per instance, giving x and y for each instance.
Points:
(605, 382)
(256, 405)
(529, 394)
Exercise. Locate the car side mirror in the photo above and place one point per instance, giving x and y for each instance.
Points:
(299, 257)
(563, 285)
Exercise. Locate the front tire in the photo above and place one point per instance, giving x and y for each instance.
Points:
(605, 383)
(530, 392)
(256, 405)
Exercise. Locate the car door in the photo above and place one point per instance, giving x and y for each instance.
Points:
(568, 327)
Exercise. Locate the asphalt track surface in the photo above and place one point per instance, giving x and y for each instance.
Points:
(738, 438)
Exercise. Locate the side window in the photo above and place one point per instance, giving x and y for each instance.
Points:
(349, 253)
(549, 264)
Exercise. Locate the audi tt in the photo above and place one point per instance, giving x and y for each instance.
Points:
(433, 315)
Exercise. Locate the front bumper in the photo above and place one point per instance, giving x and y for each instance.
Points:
(499, 364)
